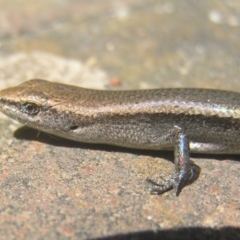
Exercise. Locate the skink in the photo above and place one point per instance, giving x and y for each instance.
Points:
(183, 120)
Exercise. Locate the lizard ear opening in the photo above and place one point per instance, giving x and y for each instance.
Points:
(30, 108)
(72, 128)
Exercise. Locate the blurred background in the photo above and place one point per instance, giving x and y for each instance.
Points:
(124, 44)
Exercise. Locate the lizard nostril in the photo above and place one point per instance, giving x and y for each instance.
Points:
(3, 100)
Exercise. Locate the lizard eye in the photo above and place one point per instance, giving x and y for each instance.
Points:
(30, 108)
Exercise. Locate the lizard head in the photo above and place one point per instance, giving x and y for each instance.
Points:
(36, 103)
(23, 102)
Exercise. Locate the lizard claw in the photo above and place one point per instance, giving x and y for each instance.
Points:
(176, 182)
(158, 188)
